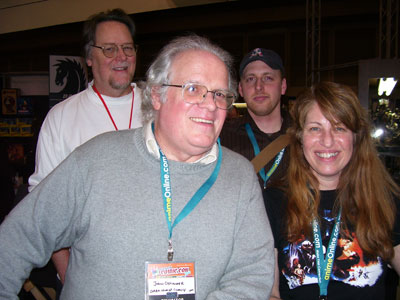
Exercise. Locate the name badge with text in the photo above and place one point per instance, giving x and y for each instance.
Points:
(170, 281)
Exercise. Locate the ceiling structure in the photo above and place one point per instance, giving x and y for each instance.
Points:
(19, 15)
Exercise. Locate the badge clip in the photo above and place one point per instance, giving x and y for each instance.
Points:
(170, 251)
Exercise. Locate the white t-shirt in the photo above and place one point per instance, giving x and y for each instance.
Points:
(76, 120)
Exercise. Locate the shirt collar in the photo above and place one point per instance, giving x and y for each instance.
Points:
(246, 118)
(152, 147)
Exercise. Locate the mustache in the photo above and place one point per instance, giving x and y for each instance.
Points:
(121, 65)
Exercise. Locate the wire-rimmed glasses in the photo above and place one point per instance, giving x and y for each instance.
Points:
(194, 93)
(111, 50)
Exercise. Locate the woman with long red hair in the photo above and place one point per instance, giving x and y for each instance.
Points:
(336, 223)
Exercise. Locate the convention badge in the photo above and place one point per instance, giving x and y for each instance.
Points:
(170, 281)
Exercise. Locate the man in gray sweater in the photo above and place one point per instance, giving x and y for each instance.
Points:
(159, 212)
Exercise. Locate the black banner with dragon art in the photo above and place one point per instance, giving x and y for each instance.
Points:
(68, 76)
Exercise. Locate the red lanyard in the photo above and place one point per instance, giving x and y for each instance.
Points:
(108, 111)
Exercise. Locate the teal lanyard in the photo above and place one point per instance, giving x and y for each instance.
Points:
(167, 194)
(325, 263)
(256, 148)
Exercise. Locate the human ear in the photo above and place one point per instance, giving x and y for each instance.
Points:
(156, 97)
(240, 89)
(283, 86)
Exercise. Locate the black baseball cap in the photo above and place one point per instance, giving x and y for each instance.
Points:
(271, 58)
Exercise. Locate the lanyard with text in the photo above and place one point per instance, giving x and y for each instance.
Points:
(325, 264)
(108, 111)
(256, 148)
(167, 195)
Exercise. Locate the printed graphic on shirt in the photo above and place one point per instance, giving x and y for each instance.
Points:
(350, 265)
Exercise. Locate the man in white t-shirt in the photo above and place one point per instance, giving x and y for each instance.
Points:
(111, 101)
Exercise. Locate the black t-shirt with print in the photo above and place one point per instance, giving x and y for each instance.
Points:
(354, 275)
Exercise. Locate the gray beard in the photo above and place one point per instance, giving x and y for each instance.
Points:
(119, 86)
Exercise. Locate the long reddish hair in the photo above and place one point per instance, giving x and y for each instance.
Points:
(365, 189)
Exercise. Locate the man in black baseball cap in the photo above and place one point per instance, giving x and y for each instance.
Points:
(262, 83)
(269, 57)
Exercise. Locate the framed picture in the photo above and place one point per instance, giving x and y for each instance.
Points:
(9, 101)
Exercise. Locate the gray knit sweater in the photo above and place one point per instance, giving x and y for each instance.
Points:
(104, 201)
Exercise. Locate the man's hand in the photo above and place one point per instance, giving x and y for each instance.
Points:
(60, 260)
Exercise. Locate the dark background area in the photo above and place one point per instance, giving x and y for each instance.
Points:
(349, 32)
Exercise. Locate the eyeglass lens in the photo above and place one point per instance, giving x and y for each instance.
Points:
(195, 94)
(111, 51)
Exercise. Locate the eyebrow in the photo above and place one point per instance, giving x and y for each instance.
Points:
(254, 74)
(312, 122)
(128, 43)
(199, 83)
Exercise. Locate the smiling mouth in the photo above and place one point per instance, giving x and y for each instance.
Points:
(327, 155)
(120, 68)
(199, 120)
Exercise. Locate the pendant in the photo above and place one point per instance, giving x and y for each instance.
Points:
(170, 251)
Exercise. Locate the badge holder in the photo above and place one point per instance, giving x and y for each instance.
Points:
(170, 281)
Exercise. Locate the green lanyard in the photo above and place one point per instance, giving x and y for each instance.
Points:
(325, 263)
(167, 195)
(256, 148)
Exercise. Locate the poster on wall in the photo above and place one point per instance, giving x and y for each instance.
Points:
(9, 101)
(68, 76)
(24, 105)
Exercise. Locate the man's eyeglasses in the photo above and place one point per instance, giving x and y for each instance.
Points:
(196, 94)
(111, 50)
